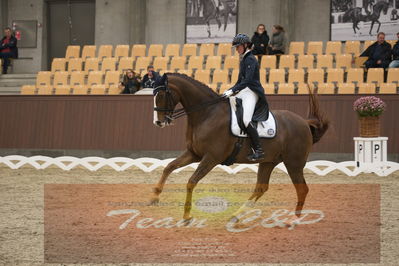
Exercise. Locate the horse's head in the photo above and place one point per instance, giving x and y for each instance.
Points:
(165, 101)
(385, 8)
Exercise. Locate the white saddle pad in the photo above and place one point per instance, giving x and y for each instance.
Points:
(266, 129)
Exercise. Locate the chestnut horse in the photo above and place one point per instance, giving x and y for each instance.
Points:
(210, 142)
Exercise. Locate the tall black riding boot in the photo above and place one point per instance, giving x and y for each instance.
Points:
(258, 153)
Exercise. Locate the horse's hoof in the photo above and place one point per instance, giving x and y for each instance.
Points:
(154, 201)
(187, 221)
(291, 223)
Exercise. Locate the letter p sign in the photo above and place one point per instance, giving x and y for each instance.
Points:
(376, 148)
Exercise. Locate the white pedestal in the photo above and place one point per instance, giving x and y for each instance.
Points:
(371, 153)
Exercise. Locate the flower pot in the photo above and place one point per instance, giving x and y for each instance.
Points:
(369, 126)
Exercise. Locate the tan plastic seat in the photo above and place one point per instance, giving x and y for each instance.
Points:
(234, 76)
(92, 64)
(109, 64)
(268, 62)
(225, 87)
(45, 90)
(112, 78)
(375, 75)
(58, 64)
(114, 90)
(333, 48)
(391, 42)
(315, 75)
(355, 75)
(89, 51)
(60, 78)
(98, 89)
(75, 64)
(72, 51)
(77, 78)
(344, 61)
(172, 49)
(324, 61)
(269, 88)
(213, 62)
(187, 72)
(367, 88)
(189, 49)
(155, 50)
(195, 62)
(161, 63)
(305, 61)
(139, 50)
(207, 49)
(296, 76)
(388, 88)
(178, 62)
(277, 75)
(224, 49)
(125, 63)
(297, 48)
(231, 62)
(203, 75)
(28, 89)
(62, 90)
(105, 51)
(367, 44)
(335, 75)
(393, 75)
(286, 61)
(142, 63)
(262, 76)
(286, 88)
(95, 77)
(325, 88)
(346, 88)
(43, 78)
(220, 76)
(315, 48)
(79, 89)
(121, 50)
(352, 47)
(303, 88)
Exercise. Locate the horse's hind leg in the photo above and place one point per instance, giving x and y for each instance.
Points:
(296, 175)
(371, 27)
(186, 158)
(379, 25)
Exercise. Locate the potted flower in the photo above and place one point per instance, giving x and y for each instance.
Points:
(369, 109)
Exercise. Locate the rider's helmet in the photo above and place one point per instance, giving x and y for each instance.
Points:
(240, 39)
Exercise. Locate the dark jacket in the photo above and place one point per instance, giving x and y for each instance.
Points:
(146, 82)
(12, 45)
(131, 85)
(259, 39)
(395, 51)
(249, 77)
(385, 53)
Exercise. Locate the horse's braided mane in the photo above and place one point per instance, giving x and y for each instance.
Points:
(194, 82)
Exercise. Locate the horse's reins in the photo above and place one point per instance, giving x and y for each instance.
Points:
(174, 114)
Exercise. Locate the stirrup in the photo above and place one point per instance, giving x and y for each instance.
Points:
(256, 155)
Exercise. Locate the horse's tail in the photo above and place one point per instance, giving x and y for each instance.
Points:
(317, 122)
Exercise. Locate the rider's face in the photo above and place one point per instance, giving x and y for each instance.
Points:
(240, 49)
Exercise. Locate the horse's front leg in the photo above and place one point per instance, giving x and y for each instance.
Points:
(205, 166)
(208, 28)
(371, 27)
(379, 25)
(186, 158)
(354, 27)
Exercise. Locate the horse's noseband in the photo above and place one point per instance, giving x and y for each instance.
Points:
(169, 110)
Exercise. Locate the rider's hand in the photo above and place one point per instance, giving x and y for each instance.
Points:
(227, 93)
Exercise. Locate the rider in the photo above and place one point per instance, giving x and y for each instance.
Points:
(251, 92)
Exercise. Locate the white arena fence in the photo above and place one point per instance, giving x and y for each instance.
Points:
(66, 163)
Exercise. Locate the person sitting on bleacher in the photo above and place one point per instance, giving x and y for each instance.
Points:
(8, 49)
(379, 53)
(149, 78)
(395, 54)
(130, 83)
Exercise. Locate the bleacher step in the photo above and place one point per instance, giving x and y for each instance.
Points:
(10, 90)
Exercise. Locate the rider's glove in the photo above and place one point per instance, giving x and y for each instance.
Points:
(227, 93)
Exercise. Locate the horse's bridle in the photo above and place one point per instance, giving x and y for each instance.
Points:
(172, 114)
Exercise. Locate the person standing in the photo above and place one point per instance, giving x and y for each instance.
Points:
(8, 49)
(260, 40)
(278, 40)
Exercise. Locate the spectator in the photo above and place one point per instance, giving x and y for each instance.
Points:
(149, 78)
(277, 42)
(130, 83)
(8, 49)
(395, 54)
(260, 40)
(379, 53)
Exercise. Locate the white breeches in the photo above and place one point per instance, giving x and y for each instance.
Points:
(249, 100)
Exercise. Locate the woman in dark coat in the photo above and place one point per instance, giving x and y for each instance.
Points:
(131, 82)
(260, 40)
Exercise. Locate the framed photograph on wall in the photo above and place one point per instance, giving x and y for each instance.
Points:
(211, 21)
(363, 19)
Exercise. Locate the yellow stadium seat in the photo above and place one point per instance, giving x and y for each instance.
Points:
(213, 87)
(220, 76)
(315, 76)
(75, 64)
(58, 64)
(89, 51)
(325, 88)
(262, 76)
(352, 47)
(112, 78)
(43, 78)
(77, 78)
(277, 76)
(138, 50)
(296, 76)
(305, 61)
(224, 87)
(161, 63)
(303, 88)
(333, 48)
(286, 88)
(98, 89)
(355, 75)
(79, 89)
(172, 49)
(187, 72)
(375, 75)
(335, 75)
(60, 78)
(393, 75)
(234, 76)
(178, 62)
(121, 50)
(45, 90)
(232, 62)
(224, 49)
(367, 88)
(155, 50)
(388, 88)
(268, 62)
(203, 75)
(213, 62)
(108, 64)
(72, 51)
(125, 63)
(189, 49)
(195, 62)
(346, 88)
(142, 63)
(28, 89)
(95, 77)
(114, 90)
(324, 61)
(315, 48)
(269, 88)
(105, 51)
(286, 61)
(391, 42)
(297, 48)
(92, 64)
(344, 61)
(207, 49)
(62, 89)
(367, 44)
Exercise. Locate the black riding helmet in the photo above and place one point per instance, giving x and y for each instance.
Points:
(241, 39)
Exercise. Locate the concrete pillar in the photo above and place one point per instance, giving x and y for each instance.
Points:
(3, 13)
(137, 21)
(286, 18)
